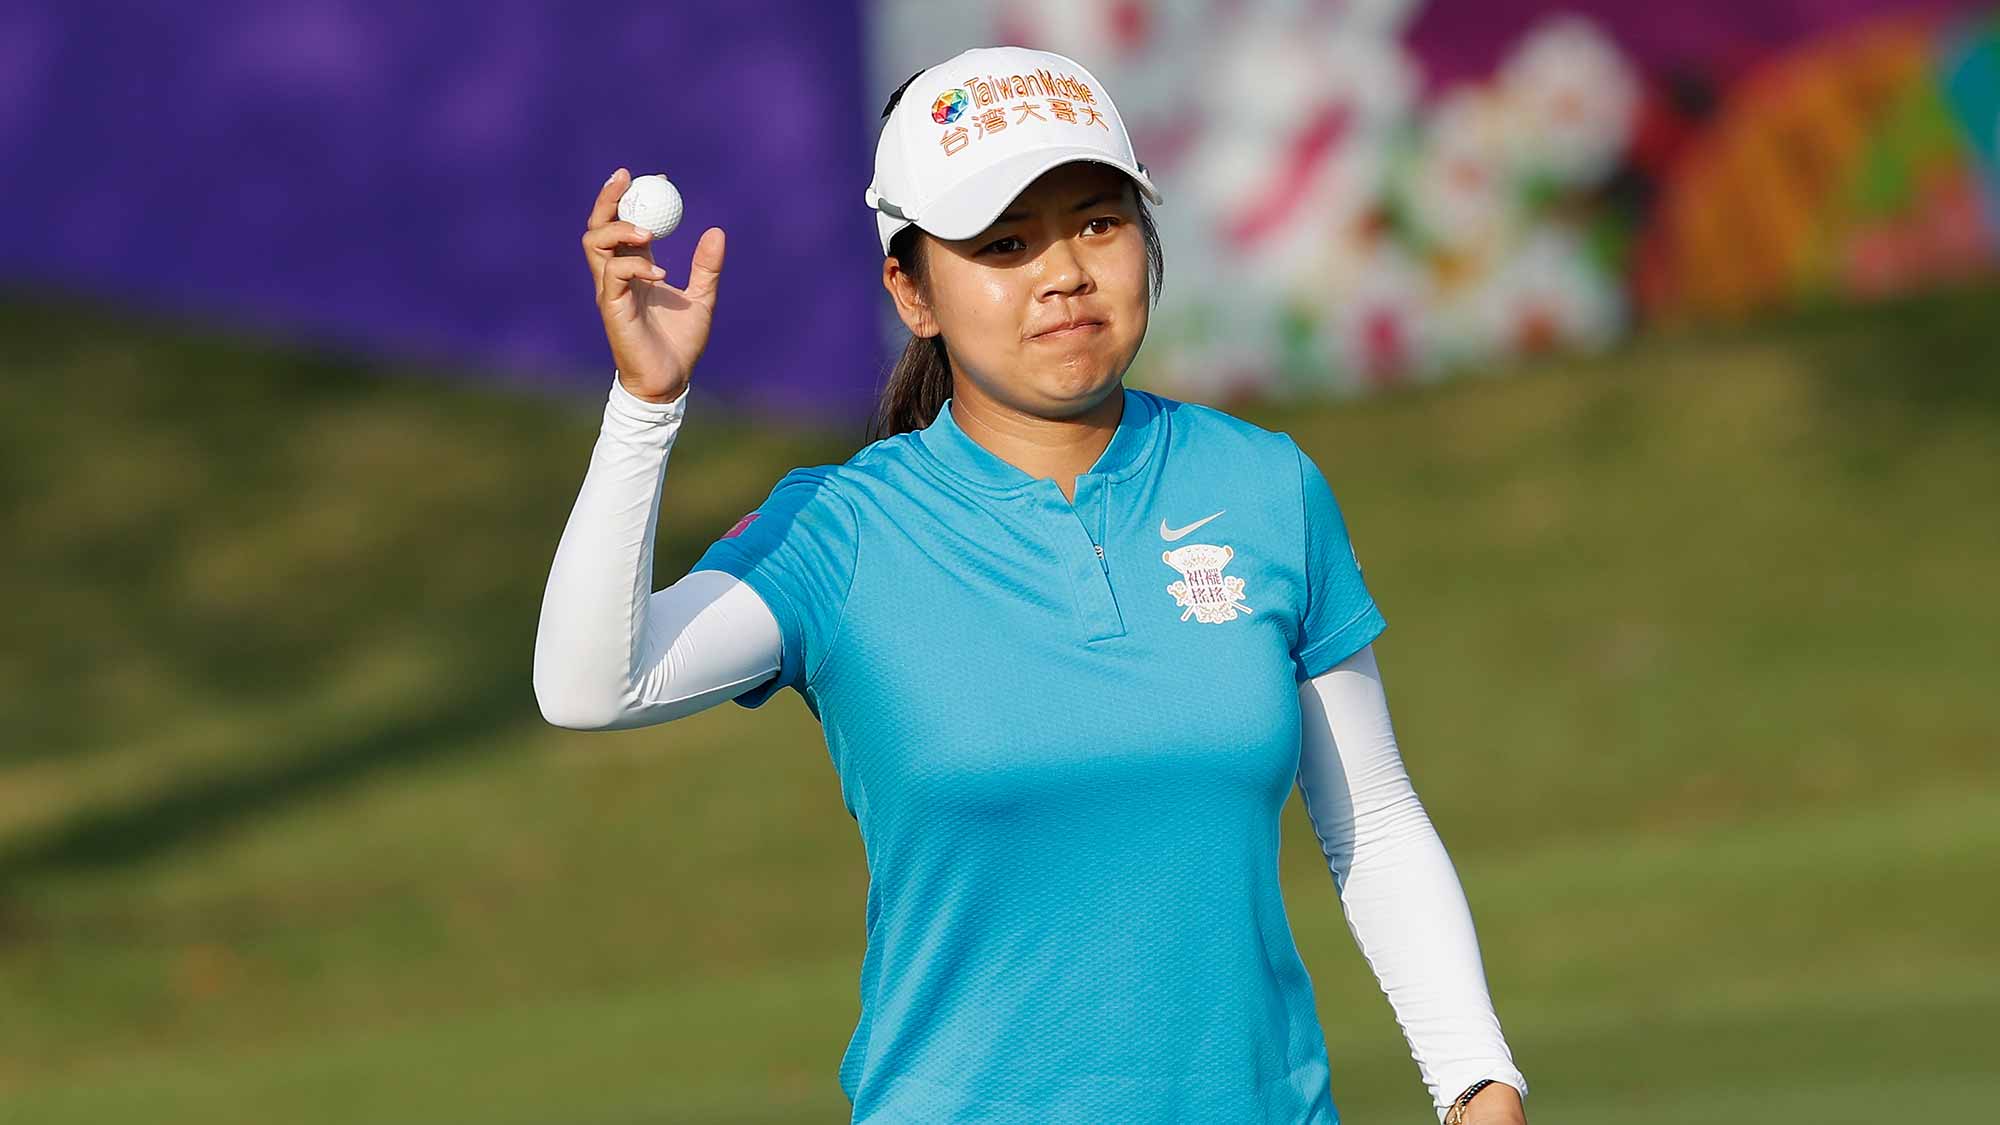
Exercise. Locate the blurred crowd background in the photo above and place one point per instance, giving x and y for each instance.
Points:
(1651, 353)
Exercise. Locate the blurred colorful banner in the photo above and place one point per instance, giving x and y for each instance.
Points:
(1373, 192)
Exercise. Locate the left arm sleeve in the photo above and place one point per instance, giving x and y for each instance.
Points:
(1340, 615)
(1397, 885)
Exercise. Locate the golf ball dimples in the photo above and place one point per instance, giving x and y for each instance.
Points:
(652, 202)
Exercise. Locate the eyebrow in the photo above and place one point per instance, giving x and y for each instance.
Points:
(1017, 216)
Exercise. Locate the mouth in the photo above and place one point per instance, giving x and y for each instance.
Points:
(1070, 330)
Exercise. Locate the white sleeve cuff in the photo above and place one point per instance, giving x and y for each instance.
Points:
(642, 410)
(1459, 1080)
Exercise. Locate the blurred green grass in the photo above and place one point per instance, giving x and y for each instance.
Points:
(1689, 654)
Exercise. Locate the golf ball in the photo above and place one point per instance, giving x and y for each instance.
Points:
(652, 202)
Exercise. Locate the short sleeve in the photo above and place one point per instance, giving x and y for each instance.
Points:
(797, 549)
(1340, 616)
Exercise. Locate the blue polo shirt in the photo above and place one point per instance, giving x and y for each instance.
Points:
(1066, 732)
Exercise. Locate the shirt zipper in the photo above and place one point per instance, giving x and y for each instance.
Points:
(1103, 514)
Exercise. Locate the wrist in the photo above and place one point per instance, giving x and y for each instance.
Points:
(655, 400)
(646, 409)
(1488, 1101)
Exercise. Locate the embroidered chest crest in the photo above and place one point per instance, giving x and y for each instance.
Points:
(1203, 591)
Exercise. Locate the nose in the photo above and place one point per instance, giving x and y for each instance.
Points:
(1062, 271)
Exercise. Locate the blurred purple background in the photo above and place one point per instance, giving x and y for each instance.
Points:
(412, 179)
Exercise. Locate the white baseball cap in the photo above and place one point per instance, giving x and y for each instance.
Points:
(970, 133)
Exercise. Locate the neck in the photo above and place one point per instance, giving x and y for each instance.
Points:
(1056, 448)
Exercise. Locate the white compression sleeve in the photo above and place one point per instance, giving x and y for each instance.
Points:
(608, 654)
(1397, 885)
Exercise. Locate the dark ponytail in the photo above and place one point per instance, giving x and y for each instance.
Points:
(920, 381)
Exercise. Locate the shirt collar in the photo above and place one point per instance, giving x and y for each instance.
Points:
(1130, 448)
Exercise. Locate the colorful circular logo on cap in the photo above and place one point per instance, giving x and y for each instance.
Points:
(949, 106)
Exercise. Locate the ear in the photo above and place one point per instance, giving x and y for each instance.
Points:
(911, 307)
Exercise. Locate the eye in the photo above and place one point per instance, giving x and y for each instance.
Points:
(991, 245)
(1112, 219)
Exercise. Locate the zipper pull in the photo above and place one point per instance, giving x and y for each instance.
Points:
(1100, 558)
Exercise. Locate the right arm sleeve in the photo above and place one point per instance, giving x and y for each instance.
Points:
(609, 655)
(798, 550)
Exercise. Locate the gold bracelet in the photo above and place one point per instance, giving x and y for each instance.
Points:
(1456, 1114)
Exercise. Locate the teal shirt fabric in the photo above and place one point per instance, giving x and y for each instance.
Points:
(1068, 770)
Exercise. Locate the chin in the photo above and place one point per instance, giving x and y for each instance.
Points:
(1081, 390)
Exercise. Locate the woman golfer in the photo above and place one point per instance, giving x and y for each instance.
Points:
(1071, 645)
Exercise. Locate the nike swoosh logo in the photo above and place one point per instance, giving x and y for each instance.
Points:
(1172, 533)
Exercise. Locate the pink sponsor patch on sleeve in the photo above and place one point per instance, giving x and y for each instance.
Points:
(740, 525)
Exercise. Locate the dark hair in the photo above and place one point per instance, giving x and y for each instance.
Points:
(920, 381)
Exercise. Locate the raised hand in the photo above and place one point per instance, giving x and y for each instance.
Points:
(656, 330)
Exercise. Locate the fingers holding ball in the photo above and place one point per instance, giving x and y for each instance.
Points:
(627, 216)
(652, 202)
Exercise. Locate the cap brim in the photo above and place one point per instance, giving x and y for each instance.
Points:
(972, 206)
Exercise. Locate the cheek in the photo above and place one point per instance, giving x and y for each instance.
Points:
(1133, 261)
(986, 312)
(973, 317)
(1133, 305)
(1136, 318)
(997, 292)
